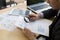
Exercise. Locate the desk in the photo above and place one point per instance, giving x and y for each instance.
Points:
(17, 34)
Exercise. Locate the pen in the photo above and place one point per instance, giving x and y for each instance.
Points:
(32, 10)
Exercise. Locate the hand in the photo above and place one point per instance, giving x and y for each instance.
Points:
(34, 17)
(29, 34)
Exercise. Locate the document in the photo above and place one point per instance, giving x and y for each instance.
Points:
(8, 23)
(9, 19)
(40, 26)
(18, 12)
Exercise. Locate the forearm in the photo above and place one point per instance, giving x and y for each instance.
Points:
(48, 13)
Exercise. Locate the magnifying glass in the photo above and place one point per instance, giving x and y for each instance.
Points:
(26, 19)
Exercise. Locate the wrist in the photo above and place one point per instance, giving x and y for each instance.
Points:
(40, 15)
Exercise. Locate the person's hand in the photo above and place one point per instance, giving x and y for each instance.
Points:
(29, 34)
(34, 17)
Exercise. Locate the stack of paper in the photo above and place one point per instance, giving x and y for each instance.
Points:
(9, 19)
(40, 26)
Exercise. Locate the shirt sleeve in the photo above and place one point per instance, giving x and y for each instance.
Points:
(41, 15)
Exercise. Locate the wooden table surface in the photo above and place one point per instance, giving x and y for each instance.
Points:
(17, 34)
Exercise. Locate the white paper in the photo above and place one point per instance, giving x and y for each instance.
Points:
(20, 22)
(8, 23)
(40, 26)
(3, 15)
(18, 12)
(9, 19)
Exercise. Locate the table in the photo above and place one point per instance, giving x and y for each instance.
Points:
(17, 34)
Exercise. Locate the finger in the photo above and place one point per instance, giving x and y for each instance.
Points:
(19, 28)
(32, 15)
(29, 34)
(32, 19)
(27, 31)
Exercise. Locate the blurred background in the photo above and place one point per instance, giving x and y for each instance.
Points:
(30, 2)
(4, 3)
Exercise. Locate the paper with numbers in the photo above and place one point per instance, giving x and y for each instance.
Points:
(40, 26)
(8, 23)
(9, 19)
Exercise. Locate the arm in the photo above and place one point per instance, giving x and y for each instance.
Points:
(49, 13)
(56, 32)
(45, 14)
